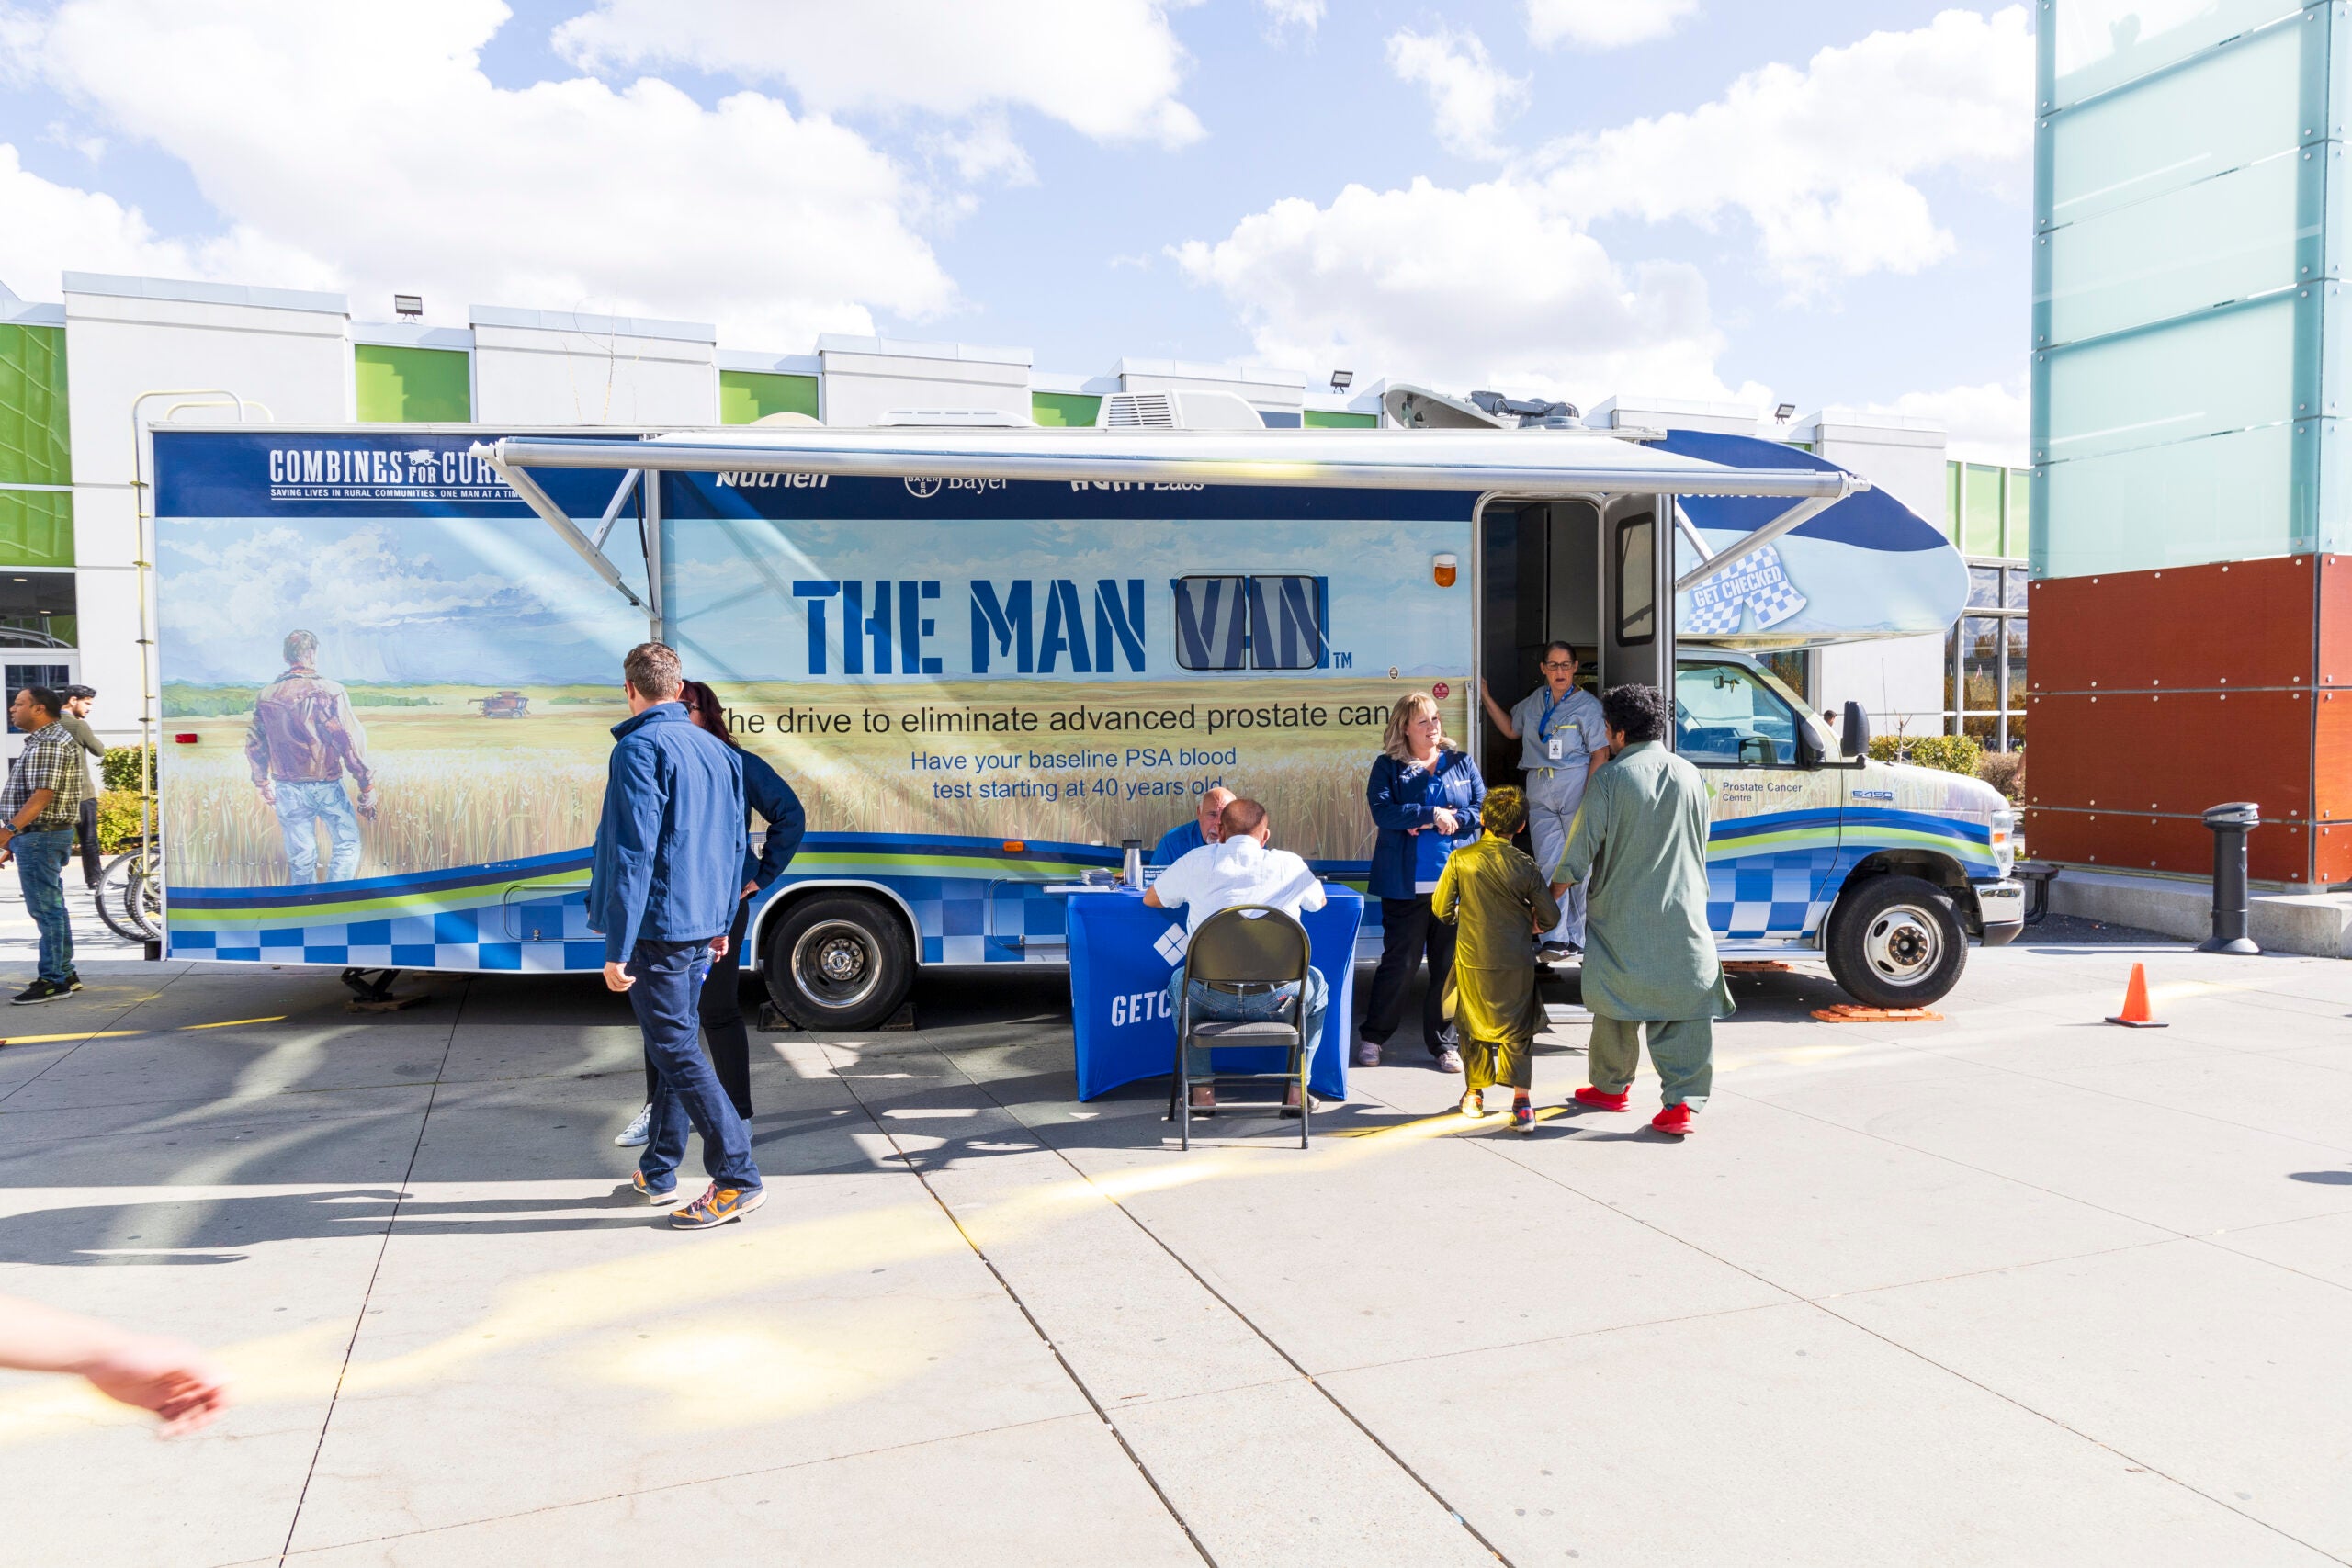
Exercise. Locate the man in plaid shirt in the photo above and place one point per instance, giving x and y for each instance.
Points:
(38, 813)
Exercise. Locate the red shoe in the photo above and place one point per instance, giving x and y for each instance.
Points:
(1676, 1120)
(1592, 1098)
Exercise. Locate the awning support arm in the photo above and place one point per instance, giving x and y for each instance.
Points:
(613, 508)
(552, 515)
(1794, 517)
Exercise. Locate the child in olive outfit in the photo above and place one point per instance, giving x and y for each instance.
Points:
(1501, 902)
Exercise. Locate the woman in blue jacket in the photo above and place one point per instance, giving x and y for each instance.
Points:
(1425, 794)
(722, 1011)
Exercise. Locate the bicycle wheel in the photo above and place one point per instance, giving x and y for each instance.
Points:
(112, 896)
(142, 898)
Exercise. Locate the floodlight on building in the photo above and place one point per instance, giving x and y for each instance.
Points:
(1785, 413)
(1342, 379)
(408, 304)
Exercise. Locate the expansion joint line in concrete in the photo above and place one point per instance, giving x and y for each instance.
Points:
(360, 1318)
(907, 1162)
(1247, 1322)
(1827, 1309)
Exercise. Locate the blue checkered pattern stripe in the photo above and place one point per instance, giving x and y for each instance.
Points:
(544, 936)
(1783, 894)
(959, 920)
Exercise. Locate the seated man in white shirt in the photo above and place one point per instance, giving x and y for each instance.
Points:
(1240, 869)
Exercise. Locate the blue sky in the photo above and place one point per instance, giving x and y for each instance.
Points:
(1822, 203)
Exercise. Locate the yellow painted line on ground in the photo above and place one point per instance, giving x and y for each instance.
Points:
(83, 1034)
(125, 1033)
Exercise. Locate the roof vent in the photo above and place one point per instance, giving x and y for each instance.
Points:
(1137, 411)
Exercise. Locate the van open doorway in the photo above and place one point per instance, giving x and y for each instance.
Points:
(1571, 571)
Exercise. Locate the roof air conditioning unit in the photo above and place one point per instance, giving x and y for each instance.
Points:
(1177, 411)
(1137, 411)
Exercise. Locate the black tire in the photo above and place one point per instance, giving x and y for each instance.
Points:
(1896, 942)
(113, 885)
(839, 961)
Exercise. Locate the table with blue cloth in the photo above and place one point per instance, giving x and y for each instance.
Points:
(1119, 965)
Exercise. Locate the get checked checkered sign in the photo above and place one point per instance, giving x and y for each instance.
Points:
(1757, 584)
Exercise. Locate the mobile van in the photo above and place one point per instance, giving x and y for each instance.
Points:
(985, 658)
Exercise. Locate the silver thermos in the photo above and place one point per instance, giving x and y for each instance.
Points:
(1131, 868)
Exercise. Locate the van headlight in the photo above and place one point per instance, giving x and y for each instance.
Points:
(2004, 825)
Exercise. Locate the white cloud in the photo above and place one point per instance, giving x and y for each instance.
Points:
(1467, 95)
(361, 146)
(1107, 68)
(1603, 24)
(1506, 282)
(1483, 287)
(1303, 14)
(60, 134)
(1824, 161)
(1987, 424)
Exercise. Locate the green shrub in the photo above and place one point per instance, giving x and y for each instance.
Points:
(1953, 753)
(2001, 770)
(118, 817)
(119, 769)
(361, 697)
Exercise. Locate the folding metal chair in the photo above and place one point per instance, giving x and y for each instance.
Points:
(1251, 947)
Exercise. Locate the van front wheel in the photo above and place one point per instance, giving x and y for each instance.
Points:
(839, 962)
(1896, 942)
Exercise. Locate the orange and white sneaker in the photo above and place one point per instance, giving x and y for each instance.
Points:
(717, 1206)
(650, 1193)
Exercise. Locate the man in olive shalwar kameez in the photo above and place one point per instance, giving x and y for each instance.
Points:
(1500, 901)
(1649, 957)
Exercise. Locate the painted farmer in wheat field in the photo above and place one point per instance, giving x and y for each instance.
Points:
(303, 739)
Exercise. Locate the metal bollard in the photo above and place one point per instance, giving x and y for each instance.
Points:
(2230, 824)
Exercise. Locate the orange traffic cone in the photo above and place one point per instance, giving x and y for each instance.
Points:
(2136, 1013)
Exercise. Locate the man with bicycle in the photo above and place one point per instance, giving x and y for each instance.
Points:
(39, 810)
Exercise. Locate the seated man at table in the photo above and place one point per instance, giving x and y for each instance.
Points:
(1240, 869)
(1185, 836)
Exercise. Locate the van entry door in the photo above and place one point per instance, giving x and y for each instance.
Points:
(1637, 625)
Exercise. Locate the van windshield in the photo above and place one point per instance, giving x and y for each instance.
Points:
(1724, 715)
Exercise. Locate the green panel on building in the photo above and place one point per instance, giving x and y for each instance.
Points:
(1952, 498)
(2015, 511)
(36, 528)
(1319, 418)
(33, 447)
(746, 397)
(1981, 511)
(1072, 410)
(412, 386)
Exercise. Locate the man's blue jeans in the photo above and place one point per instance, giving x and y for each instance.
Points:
(41, 867)
(686, 1093)
(301, 803)
(1257, 1007)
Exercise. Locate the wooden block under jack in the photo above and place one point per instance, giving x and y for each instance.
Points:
(375, 994)
(1847, 1013)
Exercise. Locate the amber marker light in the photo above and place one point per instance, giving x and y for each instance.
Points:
(1444, 570)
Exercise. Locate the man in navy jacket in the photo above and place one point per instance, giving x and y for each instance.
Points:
(663, 891)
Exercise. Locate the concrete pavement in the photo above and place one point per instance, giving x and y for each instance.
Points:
(2013, 1288)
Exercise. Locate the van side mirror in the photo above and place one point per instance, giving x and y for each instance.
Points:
(1855, 739)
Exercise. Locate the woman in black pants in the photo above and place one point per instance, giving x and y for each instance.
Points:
(729, 1041)
(1425, 794)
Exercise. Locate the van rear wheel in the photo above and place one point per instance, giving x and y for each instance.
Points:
(840, 961)
(1896, 942)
